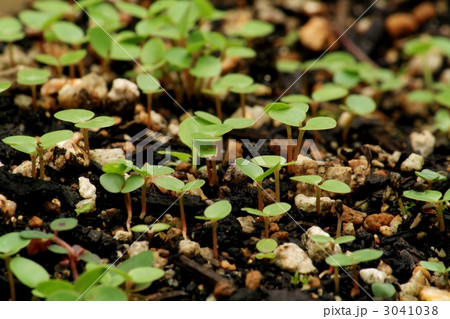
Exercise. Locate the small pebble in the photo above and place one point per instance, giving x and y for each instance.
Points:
(253, 280)
(35, 222)
(372, 275)
(413, 163)
(189, 248)
(292, 258)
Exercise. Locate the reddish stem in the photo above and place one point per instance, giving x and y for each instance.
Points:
(127, 198)
(70, 252)
(215, 244)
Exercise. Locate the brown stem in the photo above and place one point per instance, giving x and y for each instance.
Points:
(33, 165)
(430, 184)
(144, 199)
(81, 68)
(218, 107)
(127, 199)
(289, 148)
(260, 199)
(266, 227)
(183, 218)
(149, 110)
(276, 174)
(210, 174)
(355, 280)
(70, 253)
(288, 132)
(242, 103)
(72, 71)
(214, 235)
(301, 133)
(12, 288)
(318, 195)
(440, 215)
(346, 129)
(34, 96)
(336, 279)
(11, 54)
(150, 235)
(339, 225)
(41, 162)
(214, 172)
(85, 133)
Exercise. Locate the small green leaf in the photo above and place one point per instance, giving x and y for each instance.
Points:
(206, 67)
(63, 295)
(74, 115)
(170, 183)
(322, 239)
(68, 32)
(118, 166)
(269, 161)
(424, 96)
(62, 224)
(52, 6)
(417, 46)
(48, 287)
(159, 227)
(238, 123)
(88, 278)
(276, 209)
(142, 275)
(443, 98)
(193, 185)
(346, 78)
(4, 86)
(319, 123)
(429, 175)
(28, 272)
(132, 9)
(256, 29)
(57, 249)
(35, 234)
(240, 52)
(179, 57)
(153, 51)
(335, 186)
(250, 169)
(148, 83)
(100, 41)
(296, 98)
(51, 139)
(105, 293)
(360, 104)
(132, 183)
(154, 170)
(266, 245)
(32, 76)
(26, 144)
(184, 157)
(309, 179)
(36, 19)
(446, 195)
(143, 259)
(219, 210)
(47, 59)
(236, 80)
(344, 239)
(426, 196)
(113, 183)
(11, 244)
(329, 93)
(208, 117)
(340, 260)
(254, 211)
(140, 228)
(97, 122)
(433, 266)
(292, 115)
(383, 290)
(72, 57)
(364, 255)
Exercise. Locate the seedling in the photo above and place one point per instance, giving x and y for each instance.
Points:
(241, 84)
(383, 290)
(36, 146)
(67, 59)
(215, 212)
(356, 105)
(269, 211)
(152, 55)
(430, 177)
(84, 120)
(353, 259)
(266, 247)
(33, 77)
(147, 172)
(298, 279)
(330, 185)
(434, 197)
(321, 239)
(217, 88)
(10, 31)
(328, 92)
(270, 161)
(148, 85)
(206, 67)
(150, 230)
(180, 189)
(4, 86)
(114, 181)
(437, 267)
(255, 29)
(257, 174)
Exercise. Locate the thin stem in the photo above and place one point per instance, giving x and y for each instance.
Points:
(70, 253)
(144, 199)
(150, 237)
(209, 171)
(347, 128)
(214, 172)
(355, 280)
(288, 132)
(12, 288)
(218, 107)
(33, 165)
(318, 195)
(301, 133)
(81, 68)
(440, 215)
(276, 174)
(336, 279)
(400, 204)
(183, 218)
(72, 71)
(339, 225)
(289, 147)
(34, 96)
(127, 199)
(11, 54)
(260, 199)
(214, 235)
(149, 109)
(266, 227)
(40, 152)
(242, 103)
(85, 133)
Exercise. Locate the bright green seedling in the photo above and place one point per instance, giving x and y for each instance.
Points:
(383, 290)
(180, 157)
(269, 211)
(331, 185)
(150, 230)
(148, 85)
(322, 239)
(114, 181)
(434, 197)
(147, 172)
(269, 161)
(257, 174)
(266, 247)
(216, 90)
(214, 213)
(241, 84)
(328, 92)
(255, 29)
(353, 259)
(173, 184)
(36, 146)
(356, 105)
(10, 31)
(206, 67)
(67, 59)
(84, 120)
(430, 177)
(32, 78)
(4, 86)
(437, 267)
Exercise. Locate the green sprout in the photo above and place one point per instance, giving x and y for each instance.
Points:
(434, 197)
(4, 86)
(322, 239)
(255, 29)
(206, 67)
(84, 119)
(353, 259)
(217, 88)
(331, 185)
(383, 290)
(328, 92)
(32, 78)
(35, 146)
(269, 211)
(147, 172)
(150, 230)
(67, 59)
(430, 177)
(215, 212)
(266, 247)
(298, 278)
(153, 54)
(257, 174)
(241, 84)
(10, 31)
(437, 267)
(173, 184)
(148, 85)
(356, 105)
(114, 181)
